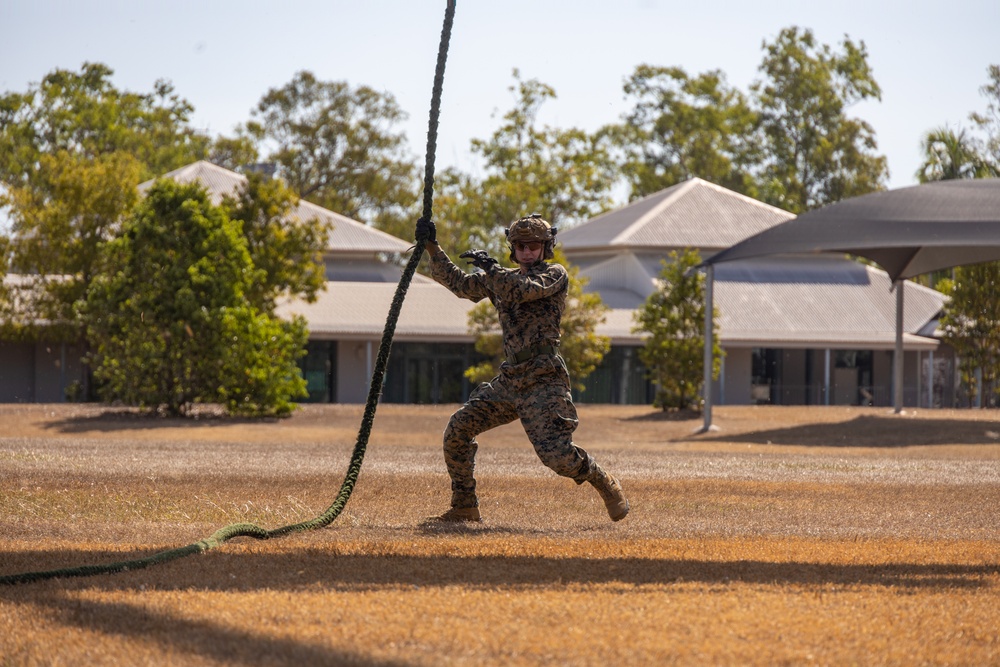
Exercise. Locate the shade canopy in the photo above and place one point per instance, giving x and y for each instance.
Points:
(908, 231)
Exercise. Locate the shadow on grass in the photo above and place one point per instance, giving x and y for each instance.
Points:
(315, 567)
(201, 638)
(872, 431)
(432, 526)
(666, 416)
(128, 419)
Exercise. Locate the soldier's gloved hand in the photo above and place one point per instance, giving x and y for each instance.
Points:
(426, 231)
(481, 260)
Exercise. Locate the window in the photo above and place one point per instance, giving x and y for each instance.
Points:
(319, 368)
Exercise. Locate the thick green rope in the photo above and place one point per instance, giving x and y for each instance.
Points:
(227, 533)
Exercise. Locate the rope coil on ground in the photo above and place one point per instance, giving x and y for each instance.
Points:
(229, 532)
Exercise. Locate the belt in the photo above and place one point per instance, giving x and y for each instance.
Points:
(529, 352)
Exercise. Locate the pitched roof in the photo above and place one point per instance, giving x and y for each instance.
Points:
(812, 301)
(836, 303)
(845, 301)
(695, 214)
(349, 236)
(819, 301)
(351, 309)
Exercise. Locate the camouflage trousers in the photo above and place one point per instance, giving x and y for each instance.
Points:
(537, 392)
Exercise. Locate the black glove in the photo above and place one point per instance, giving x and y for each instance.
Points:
(481, 260)
(426, 231)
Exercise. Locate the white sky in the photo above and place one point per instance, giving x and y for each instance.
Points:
(930, 58)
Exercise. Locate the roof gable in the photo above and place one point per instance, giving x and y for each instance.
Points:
(692, 214)
(623, 271)
(349, 236)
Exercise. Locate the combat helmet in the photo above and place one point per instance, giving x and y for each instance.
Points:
(531, 228)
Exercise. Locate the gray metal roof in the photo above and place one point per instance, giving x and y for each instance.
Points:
(359, 310)
(695, 214)
(815, 302)
(819, 301)
(348, 235)
(362, 269)
(789, 301)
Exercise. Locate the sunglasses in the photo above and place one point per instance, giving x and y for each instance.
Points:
(533, 246)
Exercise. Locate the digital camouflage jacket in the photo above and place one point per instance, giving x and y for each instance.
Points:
(530, 306)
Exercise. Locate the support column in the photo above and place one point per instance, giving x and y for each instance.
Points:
(709, 312)
(930, 379)
(826, 376)
(62, 372)
(722, 381)
(897, 357)
(368, 359)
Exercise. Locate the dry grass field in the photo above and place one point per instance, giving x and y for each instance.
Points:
(788, 536)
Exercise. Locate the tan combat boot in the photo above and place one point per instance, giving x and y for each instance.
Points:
(460, 514)
(464, 507)
(611, 493)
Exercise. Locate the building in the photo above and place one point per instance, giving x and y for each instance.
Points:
(346, 323)
(795, 330)
(816, 329)
(431, 346)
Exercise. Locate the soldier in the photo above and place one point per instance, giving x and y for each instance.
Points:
(533, 383)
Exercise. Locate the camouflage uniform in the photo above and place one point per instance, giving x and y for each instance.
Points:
(533, 383)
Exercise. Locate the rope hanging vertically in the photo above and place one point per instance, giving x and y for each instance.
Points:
(374, 391)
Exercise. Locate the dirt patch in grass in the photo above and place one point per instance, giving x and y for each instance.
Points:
(787, 536)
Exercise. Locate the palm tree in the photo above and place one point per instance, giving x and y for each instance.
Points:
(950, 156)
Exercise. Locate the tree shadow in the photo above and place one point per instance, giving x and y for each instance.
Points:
(872, 431)
(201, 638)
(323, 569)
(131, 419)
(310, 566)
(433, 526)
(666, 416)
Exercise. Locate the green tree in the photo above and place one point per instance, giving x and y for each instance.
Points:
(674, 319)
(235, 153)
(286, 251)
(815, 154)
(71, 204)
(338, 147)
(169, 317)
(72, 149)
(86, 115)
(485, 326)
(971, 325)
(971, 320)
(950, 155)
(581, 347)
(568, 175)
(7, 304)
(989, 122)
(681, 127)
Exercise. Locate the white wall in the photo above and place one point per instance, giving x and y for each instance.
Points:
(353, 370)
(737, 371)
